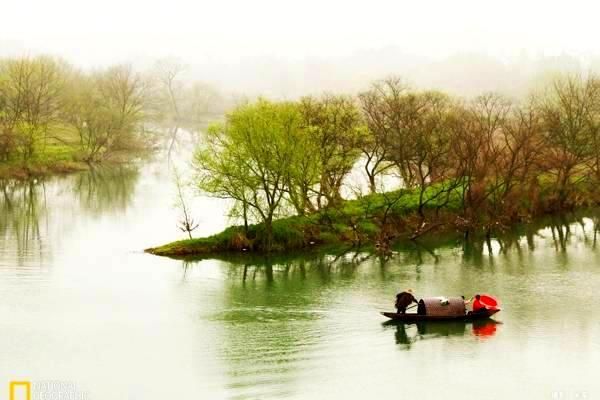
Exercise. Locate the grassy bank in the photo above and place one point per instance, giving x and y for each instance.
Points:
(378, 220)
(375, 220)
(56, 159)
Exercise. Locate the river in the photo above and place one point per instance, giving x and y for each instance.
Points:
(83, 308)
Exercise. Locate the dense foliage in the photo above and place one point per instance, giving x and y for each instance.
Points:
(487, 162)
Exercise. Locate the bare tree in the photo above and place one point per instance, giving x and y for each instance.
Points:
(517, 148)
(394, 112)
(168, 73)
(106, 110)
(569, 111)
(186, 223)
(377, 116)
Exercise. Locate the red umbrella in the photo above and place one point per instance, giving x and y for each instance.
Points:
(490, 302)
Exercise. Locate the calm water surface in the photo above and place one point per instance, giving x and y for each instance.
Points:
(81, 304)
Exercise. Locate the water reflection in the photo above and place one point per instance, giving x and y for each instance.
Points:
(558, 233)
(406, 335)
(273, 313)
(290, 326)
(36, 212)
(281, 317)
(560, 230)
(485, 328)
(23, 209)
(106, 189)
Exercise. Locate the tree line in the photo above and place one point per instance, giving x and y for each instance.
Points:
(46, 103)
(499, 159)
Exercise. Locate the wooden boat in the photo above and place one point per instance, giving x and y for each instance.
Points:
(414, 317)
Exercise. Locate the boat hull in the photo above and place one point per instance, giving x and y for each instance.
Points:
(413, 317)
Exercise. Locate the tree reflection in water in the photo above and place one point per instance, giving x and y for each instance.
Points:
(27, 207)
(22, 208)
(278, 317)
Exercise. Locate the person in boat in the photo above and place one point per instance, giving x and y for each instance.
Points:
(403, 300)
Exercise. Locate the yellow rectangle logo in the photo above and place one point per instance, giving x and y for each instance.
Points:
(20, 390)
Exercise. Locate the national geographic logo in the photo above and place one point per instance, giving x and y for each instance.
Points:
(20, 390)
(45, 390)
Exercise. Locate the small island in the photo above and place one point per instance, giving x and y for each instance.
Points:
(433, 163)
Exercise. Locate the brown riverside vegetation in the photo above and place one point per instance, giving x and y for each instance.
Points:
(473, 167)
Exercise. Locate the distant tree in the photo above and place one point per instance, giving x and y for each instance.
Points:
(30, 89)
(86, 112)
(496, 148)
(168, 73)
(410, 130)
(7, 140)
(106, 109)
(124, 91)
(170, 93)
(202, 102)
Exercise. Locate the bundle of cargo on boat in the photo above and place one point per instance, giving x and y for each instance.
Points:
(442, 306)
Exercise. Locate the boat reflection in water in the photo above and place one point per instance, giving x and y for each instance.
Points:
(485, 328)
(408, 334)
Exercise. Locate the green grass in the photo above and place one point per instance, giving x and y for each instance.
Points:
(353, 220)
(360, 221)
(55, 158)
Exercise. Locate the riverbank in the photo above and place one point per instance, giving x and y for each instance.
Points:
(54, 160)
(354, 222)
(376, 220)
(59, 160)
(40, 169)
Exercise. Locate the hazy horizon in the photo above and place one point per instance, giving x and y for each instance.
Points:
(291, 49)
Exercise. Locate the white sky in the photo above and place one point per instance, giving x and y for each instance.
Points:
(99, 32)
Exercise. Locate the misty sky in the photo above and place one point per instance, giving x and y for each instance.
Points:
(87, 31)
(226, 32)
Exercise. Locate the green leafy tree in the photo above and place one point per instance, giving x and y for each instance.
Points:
(305, 173)
(249, 158)
(335, 126)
